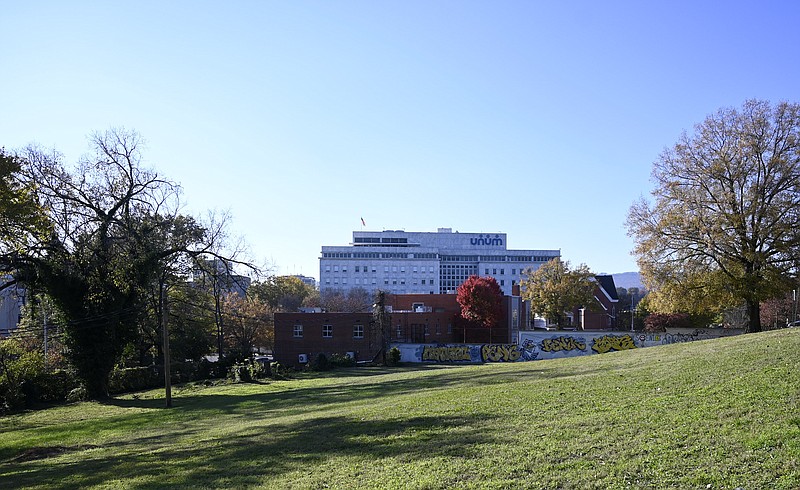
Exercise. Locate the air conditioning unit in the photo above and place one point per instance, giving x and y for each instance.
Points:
(302, 358)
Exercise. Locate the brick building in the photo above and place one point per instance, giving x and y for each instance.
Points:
(603, 314)
(413, 318)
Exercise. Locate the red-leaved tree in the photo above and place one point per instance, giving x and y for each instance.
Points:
(481, 301)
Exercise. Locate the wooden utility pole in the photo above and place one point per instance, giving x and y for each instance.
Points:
(165, 331)
(380, 319)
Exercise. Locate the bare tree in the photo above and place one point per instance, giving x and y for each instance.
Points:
(113, 233)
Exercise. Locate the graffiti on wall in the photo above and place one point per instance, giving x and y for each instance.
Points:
(677, 338)
(528, 350)
(537, 345)
(500, 353)
(563, 343)
(458, 353)
(608, 343)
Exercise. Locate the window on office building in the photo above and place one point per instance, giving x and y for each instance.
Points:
(431, 271)
(502, 271)
(327, 331)
(487, 272)
(358, 269)
(386, 268)
(298, 331)
(358, 331)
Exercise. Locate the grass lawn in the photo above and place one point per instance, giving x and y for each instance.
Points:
(713, 414)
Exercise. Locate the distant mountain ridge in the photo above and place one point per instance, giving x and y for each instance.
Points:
(628, 280)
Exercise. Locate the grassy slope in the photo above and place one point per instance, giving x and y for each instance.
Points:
(722, 412)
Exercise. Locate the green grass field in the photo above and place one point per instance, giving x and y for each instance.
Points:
(712, 414)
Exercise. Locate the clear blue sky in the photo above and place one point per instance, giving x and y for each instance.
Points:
(538, 119)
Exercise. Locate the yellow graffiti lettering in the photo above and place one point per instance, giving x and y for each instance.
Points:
(608, 343)
(446, 354)
(500, 353)
(557, 344)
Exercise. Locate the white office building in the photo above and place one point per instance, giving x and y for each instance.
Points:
(403, 262)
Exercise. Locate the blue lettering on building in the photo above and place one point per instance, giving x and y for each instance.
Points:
(487, 242)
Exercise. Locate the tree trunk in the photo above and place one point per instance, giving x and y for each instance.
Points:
(754, 314)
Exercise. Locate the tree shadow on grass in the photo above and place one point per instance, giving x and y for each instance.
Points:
(252, 456)
(314, 438)
(306, 399)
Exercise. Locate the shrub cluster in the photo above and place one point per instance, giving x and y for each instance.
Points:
(325, 363)
(140, 378)
(25, 380)
(341, 360)
(250, 370)
(321, 363)
(393, 359)
(146, 377)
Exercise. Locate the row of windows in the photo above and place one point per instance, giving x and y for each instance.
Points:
(495, 258)
(502, 271)
(380, 240)
(443, 258)
(374, 269)
(460, 258)
(446, 273)
(386, 281)
(536, 258)
(327, 331)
